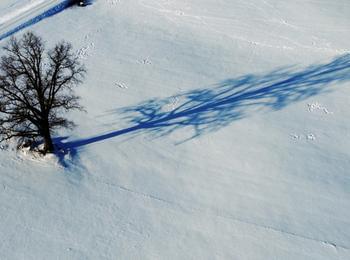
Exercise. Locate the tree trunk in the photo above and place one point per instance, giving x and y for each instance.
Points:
(48, 144)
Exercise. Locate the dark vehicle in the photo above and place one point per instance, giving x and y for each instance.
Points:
(82, 2)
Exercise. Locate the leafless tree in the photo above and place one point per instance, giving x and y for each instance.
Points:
(36, 88)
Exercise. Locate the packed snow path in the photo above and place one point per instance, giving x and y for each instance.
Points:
(24, 13)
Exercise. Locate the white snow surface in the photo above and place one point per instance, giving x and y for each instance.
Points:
(214, 129)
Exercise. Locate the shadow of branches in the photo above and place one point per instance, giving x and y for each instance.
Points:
(209, 109)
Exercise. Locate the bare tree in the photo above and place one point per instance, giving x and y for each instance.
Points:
(36, 87)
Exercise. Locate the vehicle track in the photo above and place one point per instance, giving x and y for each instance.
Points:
(25, 17)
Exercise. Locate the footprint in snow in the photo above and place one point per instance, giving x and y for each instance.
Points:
(173, 103)
(312, 107)
(113, 2)
(85, 52)
(295, 136)
(145, 61)
(120, 85)
(310, 136)
(179, 12)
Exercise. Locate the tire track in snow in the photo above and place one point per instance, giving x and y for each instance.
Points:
(211, 212)
(292, 45)
(32, 16)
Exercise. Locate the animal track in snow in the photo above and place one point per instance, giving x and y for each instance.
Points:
(85, 52)
(121, 85)
(295, 136)
(88, 36)
(179, 12)
(145, 61)
(317, 106)
(113, 2)
(309, 136)
(173, 102)
(171, 11)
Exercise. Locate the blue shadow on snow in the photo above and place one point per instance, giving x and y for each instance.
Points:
(209, 109)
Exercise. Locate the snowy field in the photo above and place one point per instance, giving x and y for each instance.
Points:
(214, 129)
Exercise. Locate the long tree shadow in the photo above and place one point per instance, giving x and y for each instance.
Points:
(209, 109)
